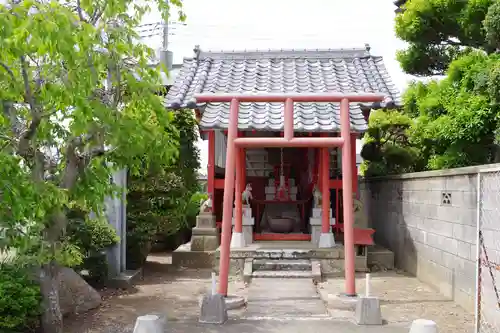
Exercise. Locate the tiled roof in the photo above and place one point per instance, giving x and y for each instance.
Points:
(283, 71)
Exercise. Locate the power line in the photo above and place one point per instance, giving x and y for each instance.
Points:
(170, 23)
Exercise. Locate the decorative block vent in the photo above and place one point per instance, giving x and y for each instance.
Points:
(446, 198)
(399, 194)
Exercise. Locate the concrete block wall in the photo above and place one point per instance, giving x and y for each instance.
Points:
(428, 220)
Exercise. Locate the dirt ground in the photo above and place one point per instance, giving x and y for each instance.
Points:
(403, 299)
(176, 293)
(163, 290)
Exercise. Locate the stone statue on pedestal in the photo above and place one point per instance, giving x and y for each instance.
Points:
(206, 206)
(360, 219)
(246, 196)
(317, 197)
(204, 234)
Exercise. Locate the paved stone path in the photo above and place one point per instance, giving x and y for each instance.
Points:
(272, 298)
(285, 326)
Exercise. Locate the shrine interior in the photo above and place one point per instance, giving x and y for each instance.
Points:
(283, 181)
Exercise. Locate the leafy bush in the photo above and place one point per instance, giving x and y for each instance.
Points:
(387, 148)
(164, 200)
(20, 299)
(92, 237)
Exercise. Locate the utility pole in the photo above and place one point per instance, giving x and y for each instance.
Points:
(166, 56)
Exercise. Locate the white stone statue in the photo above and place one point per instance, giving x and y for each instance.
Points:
(206, 206)
(246, 196)
(317, 196)
(360, 219)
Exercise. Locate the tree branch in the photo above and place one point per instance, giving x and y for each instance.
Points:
(27, 88)
(7, 68)
(96, 16)
(79, 10)
(35, 113)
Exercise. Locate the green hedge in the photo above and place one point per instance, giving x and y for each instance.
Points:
(20, 299)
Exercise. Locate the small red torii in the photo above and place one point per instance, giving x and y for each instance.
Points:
(288, 140)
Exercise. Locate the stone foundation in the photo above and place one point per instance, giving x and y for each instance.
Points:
(248, 221)
(200, 251)
(331, 260)
(205, 236)
(381, 257)
(335, 267)
(184, 257)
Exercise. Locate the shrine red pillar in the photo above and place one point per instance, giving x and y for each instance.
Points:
(349, 251)
(238, 189)
(243, 164)
(211, 166)
(227, 211)
(325, 188)
(320, 172)
(354, 166)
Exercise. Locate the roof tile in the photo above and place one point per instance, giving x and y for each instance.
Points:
(283, 71)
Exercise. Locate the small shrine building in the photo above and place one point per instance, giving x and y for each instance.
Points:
(281, 127)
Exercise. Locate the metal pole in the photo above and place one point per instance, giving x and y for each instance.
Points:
(214, 284)
(477, 307)
(367, 285)
(165, 33)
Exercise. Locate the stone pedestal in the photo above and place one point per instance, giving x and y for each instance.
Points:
(326, 240)
(213, 310)
(237, 240)
(423, 326)
(317, 212)
(246, 237)
(205, 236)
(150, 324)
(368, 311)
(317, 238)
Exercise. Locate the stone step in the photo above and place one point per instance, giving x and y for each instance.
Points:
(283, 274)
(282, 254)
(281, 265)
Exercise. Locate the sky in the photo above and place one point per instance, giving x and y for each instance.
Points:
(284, 24)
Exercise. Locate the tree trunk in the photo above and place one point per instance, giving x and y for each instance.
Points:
(52, 321)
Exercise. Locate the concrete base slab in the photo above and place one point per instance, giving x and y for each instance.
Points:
(234, 302)
(213, 309)
(368, 311)
(342, 302)
(150, 324)
(283, 299)
(125, 280)
(326, 240)
(423, 326)
(237, 240)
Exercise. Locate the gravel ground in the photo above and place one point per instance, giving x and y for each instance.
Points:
(403, 299)
(176, 293)
(163, 290)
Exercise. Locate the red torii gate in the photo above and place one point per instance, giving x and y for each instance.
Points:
(288, 140)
